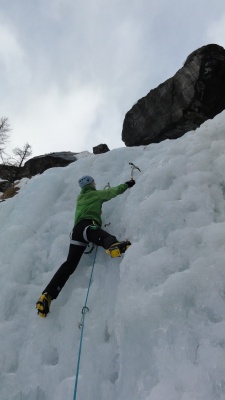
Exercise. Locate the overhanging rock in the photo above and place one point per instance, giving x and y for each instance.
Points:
(182, 103)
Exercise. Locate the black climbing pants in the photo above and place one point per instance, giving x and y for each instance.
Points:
(84, 232)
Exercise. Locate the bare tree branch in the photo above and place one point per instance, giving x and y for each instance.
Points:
(22, 154)
(4, 129)
(13, 165)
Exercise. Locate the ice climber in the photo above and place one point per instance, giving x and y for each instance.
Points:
(87, 229)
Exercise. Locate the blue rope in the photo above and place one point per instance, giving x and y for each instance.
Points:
(84, 310)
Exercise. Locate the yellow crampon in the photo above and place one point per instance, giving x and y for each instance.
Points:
(116, 249)
(43, 305)
(113, 252)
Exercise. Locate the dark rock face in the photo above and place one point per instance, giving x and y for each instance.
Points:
(36, 165)
(7, 171)
(182, 103)
(4, 185)
(101, 148)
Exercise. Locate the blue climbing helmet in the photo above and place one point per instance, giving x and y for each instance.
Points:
(85, 180)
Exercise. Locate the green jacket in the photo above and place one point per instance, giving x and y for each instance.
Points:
(89, 202)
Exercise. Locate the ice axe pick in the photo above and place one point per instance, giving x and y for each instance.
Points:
(133, 167)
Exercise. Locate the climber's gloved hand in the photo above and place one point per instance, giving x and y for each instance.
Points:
(130, 183)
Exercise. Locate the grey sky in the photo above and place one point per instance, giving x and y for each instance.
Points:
(71, 69)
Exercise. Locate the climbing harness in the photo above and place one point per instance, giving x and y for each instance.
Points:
(85, 309)
(133, 167)
(83, 244)
(76, 242)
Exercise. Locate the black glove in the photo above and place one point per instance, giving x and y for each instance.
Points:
(130, 183)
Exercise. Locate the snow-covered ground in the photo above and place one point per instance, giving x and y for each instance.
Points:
(156, 325)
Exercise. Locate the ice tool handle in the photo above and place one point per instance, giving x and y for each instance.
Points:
(133, 167)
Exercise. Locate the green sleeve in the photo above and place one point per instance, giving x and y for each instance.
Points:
(108, 194)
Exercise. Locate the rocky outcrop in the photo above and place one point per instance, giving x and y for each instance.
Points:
(36, 165)
(101, 148)
(7, 172)
(4, 185)
(182, 103)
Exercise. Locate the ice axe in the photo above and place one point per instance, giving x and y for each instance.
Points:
(133, 167)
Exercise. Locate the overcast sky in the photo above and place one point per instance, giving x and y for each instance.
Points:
(71, 69)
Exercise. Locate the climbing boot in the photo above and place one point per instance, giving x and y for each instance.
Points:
(116, 249)
(43, 305)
